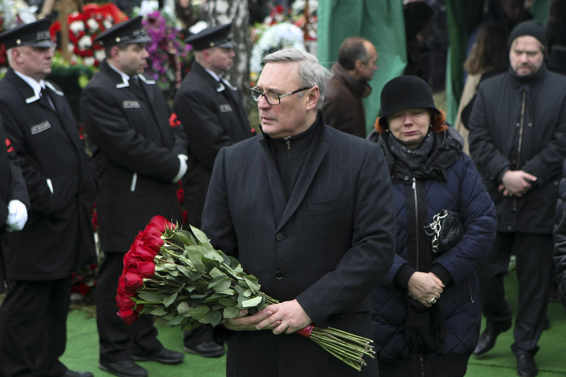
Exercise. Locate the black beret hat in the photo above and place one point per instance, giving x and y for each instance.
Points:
(532, 28)
(35, 34)
(402, 93)
(216, 36)
(127, 32)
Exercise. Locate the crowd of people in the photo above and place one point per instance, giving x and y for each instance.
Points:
(403, 237)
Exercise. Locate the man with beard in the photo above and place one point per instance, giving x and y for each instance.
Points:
(517, 139)
(343, 108)
(139, 160)
(213, 116)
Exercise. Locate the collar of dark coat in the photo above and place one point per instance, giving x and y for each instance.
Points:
(117, 79)
(446, 151)
(359, 87)
(315, 130)
(527, 81)
(200, 71)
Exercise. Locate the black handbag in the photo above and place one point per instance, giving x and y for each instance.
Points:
(445, 231)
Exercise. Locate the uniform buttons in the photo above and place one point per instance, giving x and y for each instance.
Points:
(279, 236)
(279, 275)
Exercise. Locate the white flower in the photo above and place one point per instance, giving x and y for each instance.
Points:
(85, 42)
(92, 24)
(89, 61)
(71, 47)
(107, 23)
(77, 26)
(99, 55)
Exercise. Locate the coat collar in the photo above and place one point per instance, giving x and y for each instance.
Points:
(319, 149)
(360, 88)
(31, 94)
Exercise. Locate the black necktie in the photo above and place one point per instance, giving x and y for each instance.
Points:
(46, 98)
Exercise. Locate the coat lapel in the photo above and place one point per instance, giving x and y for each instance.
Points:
(306, 176)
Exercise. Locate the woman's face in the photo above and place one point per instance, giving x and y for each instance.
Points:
(410, 126)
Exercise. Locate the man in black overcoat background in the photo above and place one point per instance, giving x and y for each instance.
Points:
(58, 237)
(518, 142)
(139, 160)
(213, 116)
(305, 208)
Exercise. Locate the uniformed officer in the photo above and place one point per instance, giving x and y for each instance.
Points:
(58, 237)
(139, 159)
(213, 116)
(14, 198)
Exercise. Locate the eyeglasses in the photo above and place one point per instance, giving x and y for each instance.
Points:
(273, 98)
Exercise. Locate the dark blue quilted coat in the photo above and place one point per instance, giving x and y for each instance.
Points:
(462, 191)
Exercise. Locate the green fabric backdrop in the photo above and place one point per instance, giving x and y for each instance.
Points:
(381, 22)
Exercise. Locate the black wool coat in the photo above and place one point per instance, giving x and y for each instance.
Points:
(58, 235)
(327, 246)
(135, 151)
(509, 112)
(213, 116)
(12, 185)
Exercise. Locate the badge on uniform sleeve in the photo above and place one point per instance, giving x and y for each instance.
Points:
(40, 127)
(225, 108)
(131, 105)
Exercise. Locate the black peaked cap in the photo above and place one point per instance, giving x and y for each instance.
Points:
(127, 32)
(216, 36)
(35, 34)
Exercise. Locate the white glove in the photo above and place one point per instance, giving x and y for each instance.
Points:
(17, 216)
(183, 166)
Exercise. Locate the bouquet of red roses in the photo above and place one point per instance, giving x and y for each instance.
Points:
(177, 275)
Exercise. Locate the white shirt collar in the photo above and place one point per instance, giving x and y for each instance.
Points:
(33, 83)
(214, 75)
(124, 76)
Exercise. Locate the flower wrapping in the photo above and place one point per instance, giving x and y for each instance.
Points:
(177, 275)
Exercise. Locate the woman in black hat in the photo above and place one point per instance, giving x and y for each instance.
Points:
(426, 313)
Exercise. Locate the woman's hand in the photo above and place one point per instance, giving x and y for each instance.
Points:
(425, 287)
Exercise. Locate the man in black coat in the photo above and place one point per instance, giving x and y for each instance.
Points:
(139, 160)
(518, 142)
(58, 238)
(306, 209)
(14, 198)
(213, 116)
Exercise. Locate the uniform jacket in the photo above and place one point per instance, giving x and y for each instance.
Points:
(560, 238)
(326, 246)
(343, 108)
(13, 186)
(136, 156)
(521, 124)
(58, 236)
(457, 187)
(213, 116)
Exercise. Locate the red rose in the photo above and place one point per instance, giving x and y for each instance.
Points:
(128, 315)
(152, 242)
(146, 269)
(133, 281)
(158, 224)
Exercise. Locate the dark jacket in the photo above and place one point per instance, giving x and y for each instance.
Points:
(327, 246)
(13, 186)
(502, 136)
(135, 151)
(343, 108)
(560, 239)
(213, 116)
(450, 181)
(58, 235)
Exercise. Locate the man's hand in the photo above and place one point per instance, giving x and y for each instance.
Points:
(287, 317)
(516, 183)
(424, 287)
(247, 322)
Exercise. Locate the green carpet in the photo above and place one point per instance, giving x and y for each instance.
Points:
(82, 349)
